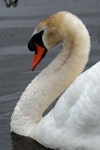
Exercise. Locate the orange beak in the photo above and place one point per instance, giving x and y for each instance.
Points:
(39, 54)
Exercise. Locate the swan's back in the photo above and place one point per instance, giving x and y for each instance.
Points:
(76, 116)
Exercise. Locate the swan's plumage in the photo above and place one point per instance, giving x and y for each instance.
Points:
(74, 123)
(75, 120)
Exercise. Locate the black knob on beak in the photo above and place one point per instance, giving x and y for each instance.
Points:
(31, 45)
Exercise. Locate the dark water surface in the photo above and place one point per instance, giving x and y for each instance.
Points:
(16, 27)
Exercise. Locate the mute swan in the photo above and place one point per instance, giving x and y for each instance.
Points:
(74, 123)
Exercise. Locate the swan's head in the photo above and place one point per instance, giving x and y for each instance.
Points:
(51, 31)
(45, 36)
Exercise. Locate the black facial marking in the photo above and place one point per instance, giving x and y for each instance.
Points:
(37, 38)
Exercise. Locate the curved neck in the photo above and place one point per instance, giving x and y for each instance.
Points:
(54, 79)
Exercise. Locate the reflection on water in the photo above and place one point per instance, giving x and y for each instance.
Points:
(13, 3)
(25, 143)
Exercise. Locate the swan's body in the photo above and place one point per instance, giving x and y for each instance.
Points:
(74, 123)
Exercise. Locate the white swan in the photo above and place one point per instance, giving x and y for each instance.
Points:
(74, 123)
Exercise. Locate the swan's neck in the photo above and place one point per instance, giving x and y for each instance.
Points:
(53, 80)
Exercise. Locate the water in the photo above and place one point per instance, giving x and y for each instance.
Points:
(16, 27)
